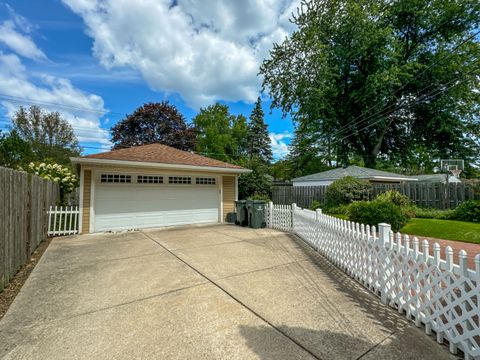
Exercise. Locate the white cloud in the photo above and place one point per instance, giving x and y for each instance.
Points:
(19, 20)
(22, 44)
(205, 50)
(81, 109)
(279, 146)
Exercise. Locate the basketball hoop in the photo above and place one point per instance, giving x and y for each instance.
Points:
(456, 172)
(454, 166)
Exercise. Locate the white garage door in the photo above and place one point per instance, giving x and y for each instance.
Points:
(122, 206)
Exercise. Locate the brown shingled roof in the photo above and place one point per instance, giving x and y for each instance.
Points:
(158, 153)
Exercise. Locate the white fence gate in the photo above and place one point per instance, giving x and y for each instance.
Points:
(63, 220)
(435, 292)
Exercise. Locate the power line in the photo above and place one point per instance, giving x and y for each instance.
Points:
(75, 127)
(416, 101)
(344, 127)
(127, 147)
(21, 100)
(382, 114)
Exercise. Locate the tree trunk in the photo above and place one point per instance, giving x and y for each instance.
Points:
(370, 160)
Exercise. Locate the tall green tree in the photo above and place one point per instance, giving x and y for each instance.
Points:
(308, 152)
(47, 133)
(389, 80)
(256, 183)
(154, 123)
(259, 144)
(221, 135)
(281, 170)
(14, 151)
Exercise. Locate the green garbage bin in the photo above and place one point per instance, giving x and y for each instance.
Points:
(256, 214)
(241, 209)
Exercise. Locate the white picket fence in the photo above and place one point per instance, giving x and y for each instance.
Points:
(63, 220)
(441, 295)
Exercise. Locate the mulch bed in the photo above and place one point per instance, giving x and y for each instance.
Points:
(13, 288)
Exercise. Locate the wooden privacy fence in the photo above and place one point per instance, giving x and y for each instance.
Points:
(431, 289)
(24, 200)
(432, 195)
(63, 220)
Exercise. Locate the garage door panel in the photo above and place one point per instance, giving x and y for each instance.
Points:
(130, 206)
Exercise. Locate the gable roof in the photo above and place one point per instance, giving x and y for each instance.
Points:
(157, 154)
(354, 171)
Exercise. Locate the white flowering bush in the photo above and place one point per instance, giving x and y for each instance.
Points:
(63, 176)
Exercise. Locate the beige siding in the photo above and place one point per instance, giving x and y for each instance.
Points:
(87, 182)
(228, 195)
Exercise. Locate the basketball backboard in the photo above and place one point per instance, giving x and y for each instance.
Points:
(453, 166)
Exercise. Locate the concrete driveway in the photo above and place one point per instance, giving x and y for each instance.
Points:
(215, 292)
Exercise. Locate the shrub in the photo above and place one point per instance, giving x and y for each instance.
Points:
(468, 211)
(316, 205)
(346, 190)
(395, 197)
(257, 196)
(429, 213)
(62, 175)
(374, 212)
(338, 210)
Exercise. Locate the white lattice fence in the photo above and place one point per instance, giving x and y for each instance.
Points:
(435, 292)
(279, 217)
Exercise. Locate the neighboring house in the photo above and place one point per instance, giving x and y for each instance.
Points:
(153, 186)
(372, 175)
(437, 178)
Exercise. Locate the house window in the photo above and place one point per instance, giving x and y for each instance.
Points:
(205, 181)
(179, 180)
(149, 179)
(115, 178)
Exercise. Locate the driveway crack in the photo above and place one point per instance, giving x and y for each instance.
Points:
(229, 294)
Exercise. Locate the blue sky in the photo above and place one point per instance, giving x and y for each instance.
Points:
(96, 61)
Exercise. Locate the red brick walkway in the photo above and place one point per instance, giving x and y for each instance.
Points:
(471, 249)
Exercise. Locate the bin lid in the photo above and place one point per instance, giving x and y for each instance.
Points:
(241, 201)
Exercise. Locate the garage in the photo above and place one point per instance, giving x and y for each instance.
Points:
(153, 186)
(146, 201)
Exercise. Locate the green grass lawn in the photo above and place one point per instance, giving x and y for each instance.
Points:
(444, 229)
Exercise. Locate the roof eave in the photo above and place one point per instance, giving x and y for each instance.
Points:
(393, 178)
(91, 161)
(330, 179)
(365, 177)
